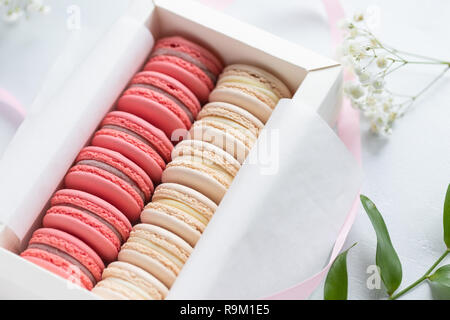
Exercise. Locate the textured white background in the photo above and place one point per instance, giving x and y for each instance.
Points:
(406, 175)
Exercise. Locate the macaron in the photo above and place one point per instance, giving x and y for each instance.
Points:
(251, 88)
(64, 255)
(136, 139)
(112, 177)
(157, 251)
(203, 167)
(124, 281)
(181, 210)
(94, 221)
(161, 100)
(227, 126)
(193, 65)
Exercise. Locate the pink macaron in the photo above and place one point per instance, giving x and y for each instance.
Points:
(113, 177)
(96, 222)
(191, 64)
(161, 100)
(64, 255)
(138, 140)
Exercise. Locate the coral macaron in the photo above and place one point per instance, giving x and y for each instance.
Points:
(161, 100)
(64, 255)
(96, 222)
(191, 64)
(113, 177)
(136, 139)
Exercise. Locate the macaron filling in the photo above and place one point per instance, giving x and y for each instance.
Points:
(167, 95)
(183, 207)
(110, 169)
(65, 256)
(136, 136)
(185, 56)
(96, 216)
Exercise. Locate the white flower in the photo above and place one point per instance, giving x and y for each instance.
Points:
(344, 24)
(34, 5)
(358, 17)
(364, 77)
(382, 62)
(378, 83)
(45, 9)
(13, 16)
(354, 90)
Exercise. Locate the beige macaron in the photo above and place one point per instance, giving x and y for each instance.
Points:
(122, 280)
(251, 88)
(157, 251)
(227, 126)
(182, 210)
(203, 167)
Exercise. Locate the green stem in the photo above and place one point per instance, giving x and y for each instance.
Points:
(422, 278)
(431, 83)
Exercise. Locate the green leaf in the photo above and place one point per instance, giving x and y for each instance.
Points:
(447, 218)
(386, 257)
(440, 282)
(336, 284)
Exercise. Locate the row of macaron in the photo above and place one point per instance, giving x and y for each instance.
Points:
(114, 177)
(201, 169)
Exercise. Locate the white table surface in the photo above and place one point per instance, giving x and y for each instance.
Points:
(406, 175)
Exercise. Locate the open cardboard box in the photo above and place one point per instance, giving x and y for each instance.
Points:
(48, 141)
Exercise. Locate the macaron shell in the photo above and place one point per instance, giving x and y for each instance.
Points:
(164, 220)
(155, 136)
(86, 229)
(273, 83)
(138, 277)
(196, 180)
(170, 85)
(106, 186)
(57, 266)
(185, 72)
(135, 150)
(96, 205)
(72, 246)
(143, 252)
(153, 112)
(237, 97)
(207, 151)
(107, 293)
(221, 139)
(232, 113)
(151, 265)
(205, 56)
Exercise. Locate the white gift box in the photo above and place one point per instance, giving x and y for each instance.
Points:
(327, 179)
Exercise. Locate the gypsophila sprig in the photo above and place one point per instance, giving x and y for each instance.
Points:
(372, 61)
(13, 10)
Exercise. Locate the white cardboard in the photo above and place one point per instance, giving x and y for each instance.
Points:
(54, 132)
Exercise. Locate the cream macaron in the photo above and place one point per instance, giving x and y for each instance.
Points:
(181, 210)
(251, 88)
(157, 251)
(203, 167)
(227, 126)
(124, 281)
